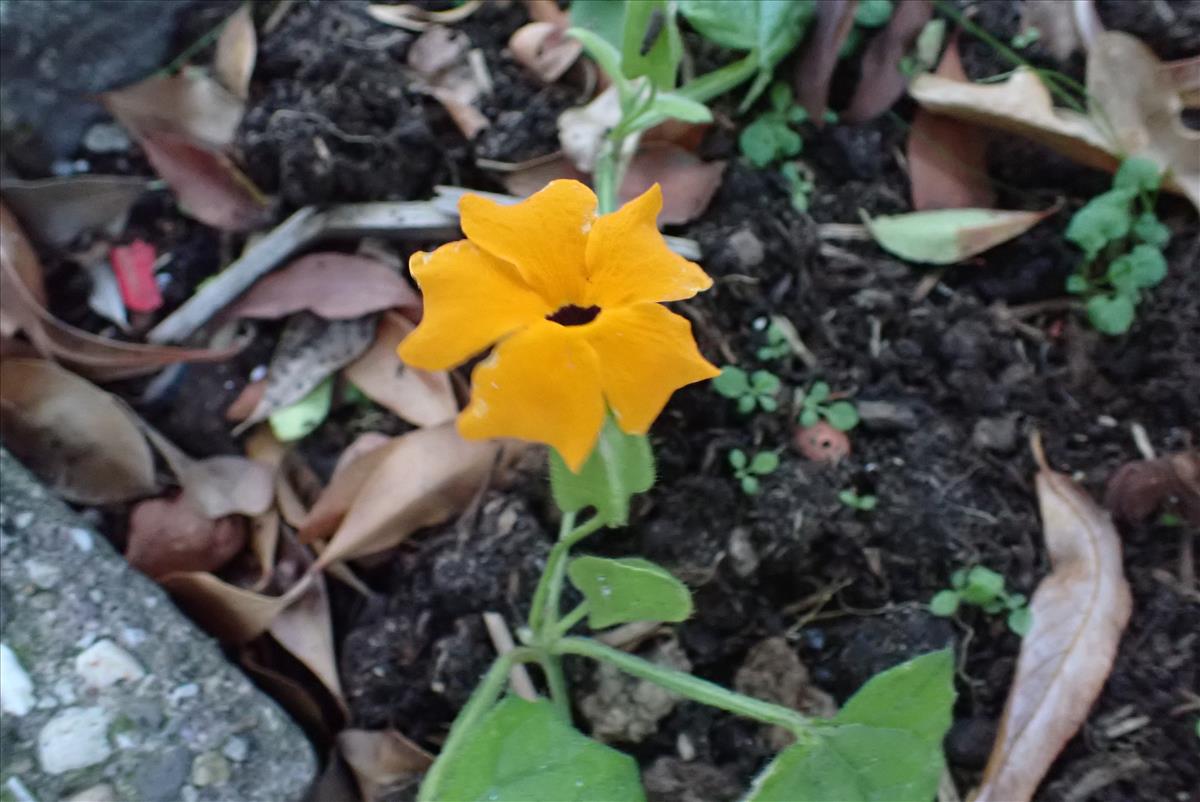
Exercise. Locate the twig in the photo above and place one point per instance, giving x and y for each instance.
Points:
(522, 685)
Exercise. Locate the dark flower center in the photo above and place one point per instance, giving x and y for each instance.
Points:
(572, 315)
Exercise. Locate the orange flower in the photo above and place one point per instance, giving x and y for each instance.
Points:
(573, 300)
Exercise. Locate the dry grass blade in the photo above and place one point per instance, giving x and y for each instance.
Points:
(1079, 612)
(882, 81)
(56, 211)
(170, 535)
(381, 759)
(189, 104)
(81, 441)
(237, 49)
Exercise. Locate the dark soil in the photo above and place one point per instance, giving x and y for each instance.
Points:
(956, 389)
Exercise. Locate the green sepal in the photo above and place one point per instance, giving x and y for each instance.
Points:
(619, 467)
(629, 589)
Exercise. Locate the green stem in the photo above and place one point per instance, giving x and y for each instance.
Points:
(700, 690)
(557, 682)
(570, 620)
(477, 706)
(537, 608)
(553, 596)
(605, 177)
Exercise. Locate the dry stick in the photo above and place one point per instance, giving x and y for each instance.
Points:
(502, 639)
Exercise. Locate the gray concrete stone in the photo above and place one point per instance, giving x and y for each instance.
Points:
(120, 695)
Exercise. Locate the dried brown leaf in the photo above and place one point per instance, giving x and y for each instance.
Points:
(813, 73)
(237, 49)
(355, 466)
(189, 105)
(547, 11)
(440, 59)
(1184, 75)
(23, 270)
(417, 18)
(229, 613)
(947, 158)
(381, 759)
(1140, 488)
(246, 401)
(333, 285)
(1063, 27)
(264, 539)
(56, 211)
(303, 700)
(169, 535)
(77, 438)
(421, 397)
(882, 82)
(1079, 612)
(221, 485)
(544, 49)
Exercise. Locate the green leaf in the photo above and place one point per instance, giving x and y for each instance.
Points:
(958, 579)
(768, 403)
(603, 53)
(746, 404)
(944, 603)
(1101, 220)
(750, 485)
(946, 236)
(1147, 265)
(525, 752)
(737, 458)
(867, 503)
(809, 417)
(1019, 621)
(1138, 174)
(818, 393)
(983, 585)
(604, 19)
(781, 96)
(916, 696)
(841, 415)
(1149, 230)
(620, 466)
(678, 107)
(764, 381)
(873, 13)
(1077, 284)
(732, 382)
(301, 418)
(764, 462)
(1111, 314)
(651, 43)
(758, 142)
(629, 589)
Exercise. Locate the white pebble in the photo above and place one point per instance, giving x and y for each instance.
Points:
(23, 519)
(83, 539)
(105, 663)
(75, 738)
(16, 688)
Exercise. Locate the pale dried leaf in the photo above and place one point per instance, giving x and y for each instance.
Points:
(1079, 612)
(1184, 75)
(56, 211)
(221, 485)
(231, 614)
(83, 443)
(355, 466)
(1063, 27)
(835, 18)
(169, 535)
(104, 298)
(547, 11)
(21, 268)
(421, 397)
(417, 18)
(1138, 489)
(882, 82)
(582, 130)
(443, 70)
(333, 285)
(544, 49)
(381, 759)
(264, 539)
(237, 49)
(189, 105)
(947, 236)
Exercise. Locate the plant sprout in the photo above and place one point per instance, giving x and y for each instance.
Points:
(757, 389)
(815, 404)
(983, 588)
(747, 470)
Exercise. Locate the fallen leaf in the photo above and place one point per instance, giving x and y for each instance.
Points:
(381, 759)
(1184, 75)
(815, 69)
(105, 296)
(57, 211)
(417, 18)
(264, 540)
(237, 49)
(822, 443)
(1140, 488)
(229, 613)
(218, 486)
(22, 268)
(583, 130)
(133, 266)
(188, 104)
(947, 158)
(309, 350)
(427, 476)
(547, 11)
(75, 437)
(1079, 612)
(332, 285)
(169, 535)
(261, 659)
(1062, 27)
(206, 183)
(355, 466)
(440, 57)
(247, 400)
(421, 397)
(544, 49)
(882, 82)
(946, 236)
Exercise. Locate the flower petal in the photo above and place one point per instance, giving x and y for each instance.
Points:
(646, 353)
(472, 299)
(629, 262)
(543, 236)
(541, 384)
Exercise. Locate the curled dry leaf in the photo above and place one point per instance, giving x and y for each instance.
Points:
(355, 466)
(104, 298)
(1184, 75)
(1140, 488)
(1063, 27)
(237, 49)
(882, 82)
(335, 286)
(813, 73)
(441, 60)
(417, 18)
(582, 129)
(249, 398)
(82, 442)
(947, 158)
(1079, 612)
(169, 535)
(821, 442)
(229, 613)
(946, 236)
(56, 211)
(381, 758)
(421, 397)
(221, 485)
(547, 11)
(189, 105)
(264, 540)
(544, 49)
(424, 478)
(23, 271)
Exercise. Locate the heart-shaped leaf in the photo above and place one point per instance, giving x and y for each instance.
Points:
(629, 589)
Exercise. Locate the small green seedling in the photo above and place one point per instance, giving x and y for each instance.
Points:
(800, 185)
(757, 389)
(1122, 242)
(747, 470)
(863, 503)
(777, 346)
(983, 588)
(841, 415)
(770, 138)
(1026, 37)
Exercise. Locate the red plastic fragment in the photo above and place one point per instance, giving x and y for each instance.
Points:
(133, 265)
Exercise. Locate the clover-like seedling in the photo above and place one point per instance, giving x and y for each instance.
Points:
(983, 588)
(1122, 246)
(747, 470)
(753, 390)
(863, 503)
(800, 185)
(777, 346)
(770, 137)
(815, 405)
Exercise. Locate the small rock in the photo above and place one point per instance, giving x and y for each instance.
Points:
(741, 552)
(16, 688)
(64, 689)
(105, 663)
(236, 749)
(82, 539)
(887, 416)
(75, 738)
(18, 790)
(210, 768)
(746, 248)
(183, 692)
(106, 138)
(995, 434)
(671, 780)
(159, 777)
(41, 574)
(22, 519)
(625, 708)
(97, 793)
